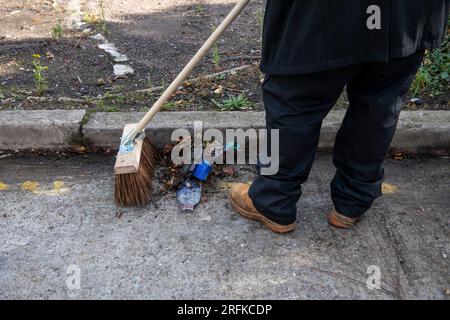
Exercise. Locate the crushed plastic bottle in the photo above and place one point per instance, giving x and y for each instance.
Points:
(189, 195)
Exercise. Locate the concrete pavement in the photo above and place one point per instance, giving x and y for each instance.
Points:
(57, 218)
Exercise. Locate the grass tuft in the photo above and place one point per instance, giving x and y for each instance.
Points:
(233, 103)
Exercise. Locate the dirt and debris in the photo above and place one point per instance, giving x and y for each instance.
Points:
(157, 38)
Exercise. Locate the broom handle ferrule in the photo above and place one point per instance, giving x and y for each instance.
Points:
(188, 68)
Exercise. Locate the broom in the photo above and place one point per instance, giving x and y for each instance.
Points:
(135, 163)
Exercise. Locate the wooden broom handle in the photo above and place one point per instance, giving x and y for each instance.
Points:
(189, 67)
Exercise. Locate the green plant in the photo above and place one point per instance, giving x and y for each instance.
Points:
(57, 31)
(200, 8)
(149, 80)
(163, 84)
(216, 53)
(97, 21)
(433, 77)
(239, 102)
(260, 22)
(216, 56)
(103, 107)
(115, 90)
(169, 105)
(39, 80)
(102, 16)
(86, 117)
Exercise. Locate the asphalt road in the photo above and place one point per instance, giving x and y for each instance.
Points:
(62, 237)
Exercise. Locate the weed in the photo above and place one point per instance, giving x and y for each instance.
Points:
(86, 117)
(39, 80)
(149, 81)
(216, 54)
(97, 21)
(200, 8)
(102, 16)
(57, 31)
(103, 107)
(239, 102)
(169, 105)
(433, 76)
(421, 82)
(220, 77)
(121, 99)
(116, 89)
(163, 84)
(260, 22)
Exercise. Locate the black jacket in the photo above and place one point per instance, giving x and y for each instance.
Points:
(304, 36)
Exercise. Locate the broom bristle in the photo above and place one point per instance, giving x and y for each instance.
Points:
(136, 188)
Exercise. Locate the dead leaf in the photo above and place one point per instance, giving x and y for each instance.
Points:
(80, 149)
(219, 90)
(229, 171)
(399, 156)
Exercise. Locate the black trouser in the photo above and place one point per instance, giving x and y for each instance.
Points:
(297, 104)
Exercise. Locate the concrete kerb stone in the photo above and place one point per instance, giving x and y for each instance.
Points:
(40, 129)
(418, 131)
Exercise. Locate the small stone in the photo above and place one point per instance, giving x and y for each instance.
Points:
(122, 70)
(447, 291)
(205, 218)
(99, 36)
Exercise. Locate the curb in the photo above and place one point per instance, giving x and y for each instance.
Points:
(417, 132)
(40, 129)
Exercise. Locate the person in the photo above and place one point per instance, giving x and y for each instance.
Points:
(312, 50)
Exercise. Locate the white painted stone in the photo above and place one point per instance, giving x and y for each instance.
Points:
(122, 70)
(113, 52)
(99, 37)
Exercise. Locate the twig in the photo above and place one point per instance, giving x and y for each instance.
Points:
(193, 80)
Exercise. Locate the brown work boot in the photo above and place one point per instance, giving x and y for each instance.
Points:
(340, 221)
(243, 205)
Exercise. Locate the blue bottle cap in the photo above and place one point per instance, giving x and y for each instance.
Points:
(201, 171)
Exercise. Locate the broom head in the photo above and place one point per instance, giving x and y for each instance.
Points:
(134, 171)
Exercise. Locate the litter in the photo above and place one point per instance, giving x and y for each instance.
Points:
(189, 195)
(190, 192)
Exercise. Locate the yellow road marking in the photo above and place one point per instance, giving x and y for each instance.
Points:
(58, 188)
(30, 186)
(33, 186)
(3, 186)
(387, 188)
